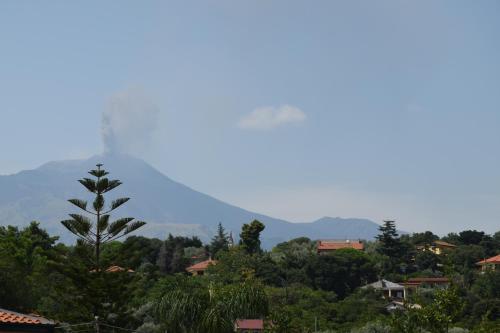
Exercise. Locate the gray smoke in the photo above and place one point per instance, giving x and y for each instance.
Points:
(128, 123)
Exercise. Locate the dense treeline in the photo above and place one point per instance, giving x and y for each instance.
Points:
(291, 285)
(142, 285)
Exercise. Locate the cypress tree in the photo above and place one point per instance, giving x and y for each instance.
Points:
(220, 241)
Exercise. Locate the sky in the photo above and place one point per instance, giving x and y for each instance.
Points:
(295, 109)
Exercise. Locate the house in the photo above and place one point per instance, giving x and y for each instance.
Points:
(249, 325)
(201, 267)
(492, 263)
(328, 246)
(390, 289)
(14, 322)
(412, 285)
(438, 247)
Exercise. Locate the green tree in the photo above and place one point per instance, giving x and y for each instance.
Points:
(236, 265)
(426, 260)
(390, 245)
(423, 238)
(298, 308)
(101, 231)
(210, 309)
(171, 258)
(389, 240)
(23, 266)
(470, 237)
(220, 241)
(342, 271)
(250, 236)
(445, 309)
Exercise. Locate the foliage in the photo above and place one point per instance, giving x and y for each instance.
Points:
(211, 308)
(250, 236)
(23, 258)
(390, 246)
(171, 257)
(220, 242)
(445, 309)
(101, 231)
(341, 272)
(292, 286)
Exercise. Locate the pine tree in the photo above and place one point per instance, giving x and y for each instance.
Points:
(389, 242)
(220, 241)
(100, 231)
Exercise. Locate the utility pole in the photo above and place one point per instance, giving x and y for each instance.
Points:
(96, 324)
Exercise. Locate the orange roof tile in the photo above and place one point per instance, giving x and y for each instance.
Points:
(11, 317)
(201, 266)
(336, 245)
(492, 260)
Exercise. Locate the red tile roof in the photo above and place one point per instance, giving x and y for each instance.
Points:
(492, 260)
(336, 245)
(11, 317)
(250, 324)
(201, 266)
(428, 280)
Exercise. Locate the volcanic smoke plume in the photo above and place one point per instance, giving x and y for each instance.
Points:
(128, 123)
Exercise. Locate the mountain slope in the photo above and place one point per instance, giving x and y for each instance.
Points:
(166, 205)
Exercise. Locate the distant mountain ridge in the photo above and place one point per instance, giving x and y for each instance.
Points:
(168, 206)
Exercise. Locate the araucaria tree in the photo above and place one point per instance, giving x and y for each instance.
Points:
(97, 229)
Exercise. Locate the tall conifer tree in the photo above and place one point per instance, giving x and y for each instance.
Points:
(100, 231)
(220, 241)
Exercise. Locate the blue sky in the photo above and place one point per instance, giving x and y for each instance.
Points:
(297, 109)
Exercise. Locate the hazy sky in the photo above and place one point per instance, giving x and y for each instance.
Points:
(296, 109)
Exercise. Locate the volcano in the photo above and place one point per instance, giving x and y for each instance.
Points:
(167, 206)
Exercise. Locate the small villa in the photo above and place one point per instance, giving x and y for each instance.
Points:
(11, 322)
(249, 325)
(201, 267)
(492, 264)
(390, 289)
(328, 246)
(438, 247)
